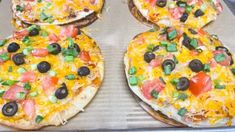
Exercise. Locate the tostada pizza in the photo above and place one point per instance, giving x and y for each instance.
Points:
(186, 74)
(48, 75)
(57, 12)
(194, 13)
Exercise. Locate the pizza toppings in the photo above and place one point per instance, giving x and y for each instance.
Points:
(171, 35)
(10, 109)
(29, 76)
(18, 59)
(29, 108)
(222, 58)
(161, 3)
(182, 111)
(62, 92)
(149, 56)
(184, 17)
(48, 84)
(83, 71)
(44, 67)
(39, 119)
(200, 83)
(199, 13)
(40, 52)
(74, 46)
(13, 47)
(54, 48)
(151, 88)
(15, 92)
(183, 84)
(196, 65)
(34, 32)
(168, 66)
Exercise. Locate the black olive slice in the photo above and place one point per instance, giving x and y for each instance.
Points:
(83, 71)
(43, 67)
(10, 109)
(196, 65)
(13, 47)
(149, 56)
(62, 92)
(18, 59)
(183, 84)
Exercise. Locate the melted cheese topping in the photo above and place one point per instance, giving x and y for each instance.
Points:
(170, 14)
(213, 105)
(55, 11)
(44, 106)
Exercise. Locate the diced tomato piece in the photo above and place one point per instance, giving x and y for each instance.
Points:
(156, 62)
(200, 83)
(10, 94)
(29, 76)
(40, 52)
(201, 31)
(227, 60)
(53, 38)
(192, 2)
(69, 31)
(29, 108)
(20, 34)
(177, 12)
(48, 84)
(28, 7)
(213, 63)
(150, 85)
(84, 55)
(152, 2)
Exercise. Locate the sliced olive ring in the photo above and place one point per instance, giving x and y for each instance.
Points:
(56, 48)
(34, 32)
(170, 63)
(149, 56)
(183, 84)
(43, 67)
(83, 71)
(196, 65)
(13, 47)
(161, 3)
(227, 52)
(62, 92)
(186, 42)
(76, 47)
(10, 109)
(18, 59)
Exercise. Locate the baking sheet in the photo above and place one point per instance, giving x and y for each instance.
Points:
(114, 107)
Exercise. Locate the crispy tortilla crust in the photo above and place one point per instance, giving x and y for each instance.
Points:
(86, 21)
(77, 104)
(137, 14)
(158, 115)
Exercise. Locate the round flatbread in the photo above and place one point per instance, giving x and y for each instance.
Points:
(48, 75)
(193, 13)
(58, 12)
(185, 74)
